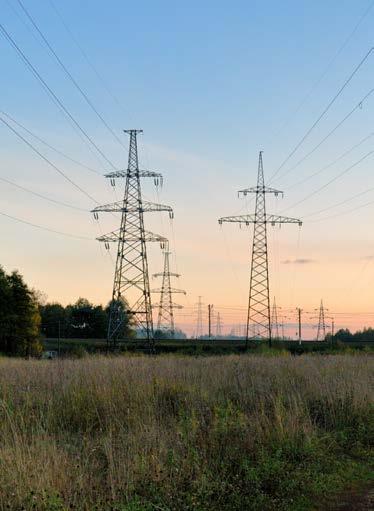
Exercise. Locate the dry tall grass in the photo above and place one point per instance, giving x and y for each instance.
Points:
(177, 433)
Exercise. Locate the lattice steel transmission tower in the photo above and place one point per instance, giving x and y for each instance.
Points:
(166, 306)
(259, 302)
(274, 321)
(199, 319)
(218, 325)
(321, 329)
(131, 292)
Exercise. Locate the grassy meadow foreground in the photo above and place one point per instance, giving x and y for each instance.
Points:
(181, 433)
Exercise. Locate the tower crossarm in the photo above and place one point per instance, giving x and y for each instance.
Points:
(260, 189)
(251, 219)
(171, 290)
(277, 219)
(114, 236)
(151, 206)
(241, 219)
(175, 305)
(168, 274)
(135, 173)
(145, 207)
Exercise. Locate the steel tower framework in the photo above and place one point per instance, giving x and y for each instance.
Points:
(321, 330)
(131, 292)
(274, 321)
(259, 302)
(218, 325)
(199, 318)
(166, 306)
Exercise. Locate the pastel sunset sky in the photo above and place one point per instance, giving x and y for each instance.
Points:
(211, 84)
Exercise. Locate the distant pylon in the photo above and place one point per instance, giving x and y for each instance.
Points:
(274, 321)
(259, 301)
(218, 325)
(321, 330)
(199, 319)
(166, 305)
(131, 292)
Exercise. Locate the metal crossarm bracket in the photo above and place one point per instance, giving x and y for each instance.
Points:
(142, 207)
(114, 237)
(118, 174)
(257, 189)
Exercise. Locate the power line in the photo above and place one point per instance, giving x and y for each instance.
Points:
(47, 160)
(328, 67)
(344, 212)
(325, 110)
(87, 59)
(343, 155)
(50, 92)
(341, 203)
(49, 145)
(68, 74)
(60, 203)
(358, 106)
(331, 181)
(26, 222)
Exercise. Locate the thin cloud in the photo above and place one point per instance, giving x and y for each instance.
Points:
(299, 261)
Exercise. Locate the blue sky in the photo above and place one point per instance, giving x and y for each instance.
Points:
(211, 84)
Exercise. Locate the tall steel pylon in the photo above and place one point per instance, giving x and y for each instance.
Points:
(274, 321)
(218, 325)
(166, 306)
(259, 302)
(131, 292)
(199, 319)
(321, 330)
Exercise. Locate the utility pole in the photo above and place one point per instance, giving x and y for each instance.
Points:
(259, 301)
(210, 309)
(166, 306)
(299, 311)
(131, 296)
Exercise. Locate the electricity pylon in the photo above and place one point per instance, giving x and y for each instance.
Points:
(321, 330)
(274, 321)
(166, 305)
(218, 325)
(199, 320)
(131, 292)
(259, 302)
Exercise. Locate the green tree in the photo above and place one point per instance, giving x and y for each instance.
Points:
(53, 319)
(5, 312)
(86, 320)
(127, 329)
(343, 335)
(23, 336)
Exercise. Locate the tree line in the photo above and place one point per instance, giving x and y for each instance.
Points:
(20, 317)
(81, 320)
(345, 335)
(25, 320)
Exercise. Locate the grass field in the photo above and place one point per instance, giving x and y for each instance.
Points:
(202, 346)
(234, 432)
